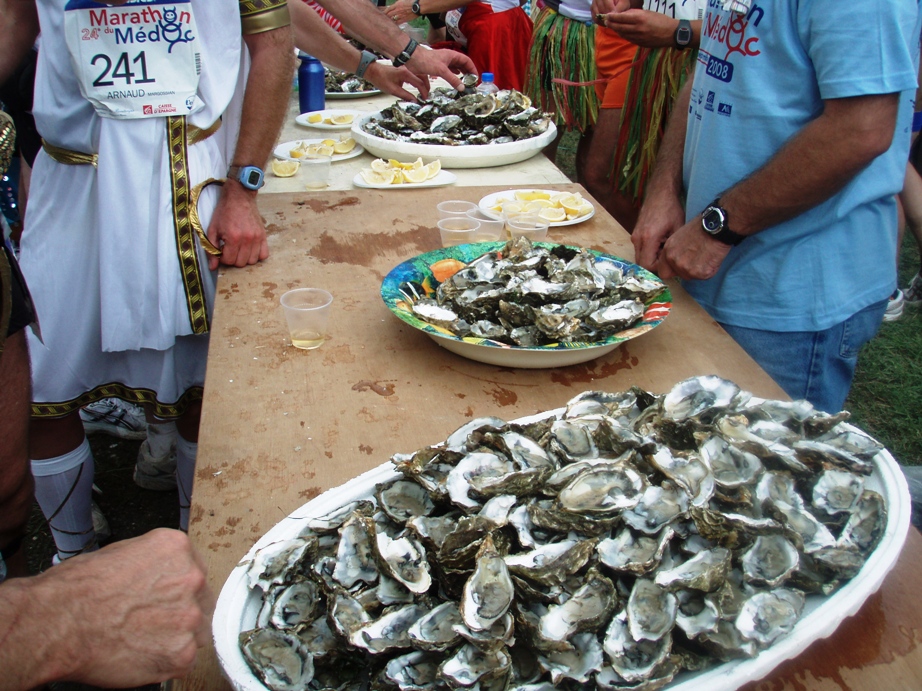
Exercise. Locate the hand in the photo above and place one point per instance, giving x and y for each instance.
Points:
(400, 11)
(607, 6)
(442, 63)
(237, 228)
(391, 80)
(691, 253)
(643, 27)
(134, 612)
(660, 216)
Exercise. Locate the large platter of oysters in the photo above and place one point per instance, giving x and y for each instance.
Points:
(462, 130)
(690, 540)
(519, 304)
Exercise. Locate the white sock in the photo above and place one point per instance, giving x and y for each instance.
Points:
(64, 490)
(185, 477)
(161, 438)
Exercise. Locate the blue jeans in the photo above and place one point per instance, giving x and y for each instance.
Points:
(815, 365)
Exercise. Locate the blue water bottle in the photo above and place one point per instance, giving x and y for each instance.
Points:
(311, 83)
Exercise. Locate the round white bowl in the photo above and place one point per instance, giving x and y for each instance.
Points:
(470, 156)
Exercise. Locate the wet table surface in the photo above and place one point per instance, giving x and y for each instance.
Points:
(281, 425)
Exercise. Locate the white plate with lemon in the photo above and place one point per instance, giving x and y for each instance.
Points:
(392, 174)
(339, 149)
(558, 208)
(333, 119)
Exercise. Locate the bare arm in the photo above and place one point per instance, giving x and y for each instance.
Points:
(809, 169)
(236, 225)
(314, 36)
(19, 28)
(133, 613)
(402, 10)
(373, 29)
(649, 29)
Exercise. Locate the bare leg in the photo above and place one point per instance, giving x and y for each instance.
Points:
(551, 149)
(911, 198)
(16, 486)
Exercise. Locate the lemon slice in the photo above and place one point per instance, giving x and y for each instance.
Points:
(572, 203)
(585, 208)
(314, 118)
(512, 207)
(418, 163)
(285, 169)
(342, 119)
(297, 152)
(322, 149)
(373, 177)
(327, 142)
(531, 195)
(553, 214)
(433, 169)
(416, 174)
(538, 204)
(344, 146)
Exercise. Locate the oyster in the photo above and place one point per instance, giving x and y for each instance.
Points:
(281, 660)
(488, 592)
(767, 616)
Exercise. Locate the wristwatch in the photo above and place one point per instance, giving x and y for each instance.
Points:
(415, 8)
(714, 222)
(683, 34)
(367, 58)
(251, 177)
(405, 54)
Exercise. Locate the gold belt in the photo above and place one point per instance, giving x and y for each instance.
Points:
(194, 135)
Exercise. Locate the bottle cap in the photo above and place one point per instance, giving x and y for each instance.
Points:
(486, 77)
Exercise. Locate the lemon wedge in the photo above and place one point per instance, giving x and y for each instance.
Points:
(433, 168)
(344, 146)
(373, 177)
(297, 152)
(314, 118)
(572, 202)
(415, 174)
(539, 204)
(379, 165)
(531, 195)
(285, 169)
(322, 148)
(327, 142)
(512, 207)
(553, 214)
(342, 119)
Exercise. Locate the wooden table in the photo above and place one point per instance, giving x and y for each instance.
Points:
(282, 425)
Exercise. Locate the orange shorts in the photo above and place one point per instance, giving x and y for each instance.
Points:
(613, 57)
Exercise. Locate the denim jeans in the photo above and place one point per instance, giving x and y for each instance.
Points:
(815, 365)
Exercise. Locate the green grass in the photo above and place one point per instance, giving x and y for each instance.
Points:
(886, 396)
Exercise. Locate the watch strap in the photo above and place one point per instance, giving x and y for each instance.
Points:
(367, 58)
(234, 173)
(405, 54)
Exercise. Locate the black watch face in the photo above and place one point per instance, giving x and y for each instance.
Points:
(253, 178)
(712, 221)
(415, 7)
(684, 36)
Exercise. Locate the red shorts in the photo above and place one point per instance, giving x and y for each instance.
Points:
(613, 57)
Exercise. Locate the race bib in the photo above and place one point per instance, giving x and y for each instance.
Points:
(137, 60)
(678, 9)
(452, 19)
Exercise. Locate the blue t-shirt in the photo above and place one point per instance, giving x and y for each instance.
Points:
(760, 78)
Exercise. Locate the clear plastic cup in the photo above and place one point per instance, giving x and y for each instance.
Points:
(315, 171)
(459, 230)
(454, 208)
(307, 311)
(530, 226)
(491, 229)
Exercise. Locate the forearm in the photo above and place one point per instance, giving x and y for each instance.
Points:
(19, 28)
(316, 37)
(31, 634)
(814, 164)
(368, 25)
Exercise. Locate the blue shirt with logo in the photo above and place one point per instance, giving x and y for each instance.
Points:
(761, 76)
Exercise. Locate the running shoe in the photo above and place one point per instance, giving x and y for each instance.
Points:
(114, 417)
(895, 306)
(155, 473)
(100, 524)
(913, 294)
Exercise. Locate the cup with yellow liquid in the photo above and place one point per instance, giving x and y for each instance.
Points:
(307, 311)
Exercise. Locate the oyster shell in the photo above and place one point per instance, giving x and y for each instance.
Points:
(488, 592)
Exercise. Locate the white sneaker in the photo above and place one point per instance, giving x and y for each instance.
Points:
(913, 293)
(895, 306)
(100, 524)
(114, 417)
(155, 473)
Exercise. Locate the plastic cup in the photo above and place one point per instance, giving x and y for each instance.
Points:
(307, 311)
(458, 230)
(490, 229)
(454, 208)
(315, 171)
(530, 226)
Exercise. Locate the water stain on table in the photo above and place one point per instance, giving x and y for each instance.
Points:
(321, 206)
(386, 389)
(367, 250)
(597, 369)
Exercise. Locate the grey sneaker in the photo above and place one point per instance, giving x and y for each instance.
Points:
(151, 472)
(894, 307)
(100, 524)
(913, 294)
(114, 417)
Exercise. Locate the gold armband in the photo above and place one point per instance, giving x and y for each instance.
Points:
(257, 16)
